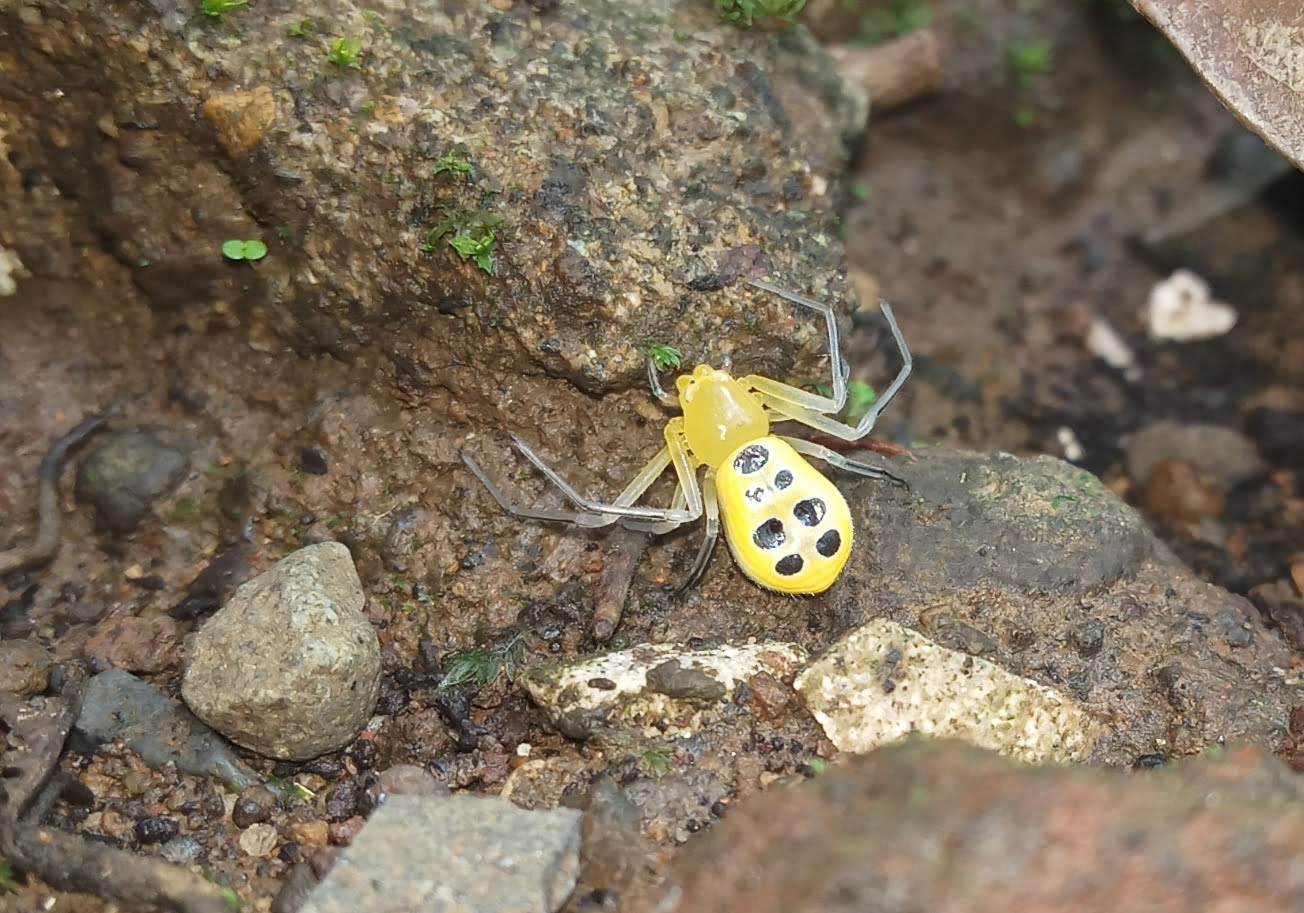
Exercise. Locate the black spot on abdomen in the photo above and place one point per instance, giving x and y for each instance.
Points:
(769, 534)
(809, 512)
(751, 459)
(829, 543)
(789, 565)
(782, 479)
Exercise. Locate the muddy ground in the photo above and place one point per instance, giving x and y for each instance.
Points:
(1001, 217)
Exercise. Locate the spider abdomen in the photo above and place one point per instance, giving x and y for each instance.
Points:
(788, 526)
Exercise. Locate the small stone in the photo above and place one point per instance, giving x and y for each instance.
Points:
(343, 832)
(241, 119)
(129, 471)
(259, 840)
(310, 833)
(1178, 493)
(156, 830)
(412, 780)
(181, 850)
(1224, 454)
(770, 696)
(290, 666)
(313, 460)
(342, 800)
(254, 806)
(24, 667)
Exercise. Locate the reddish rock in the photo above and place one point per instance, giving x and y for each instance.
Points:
(944, 827)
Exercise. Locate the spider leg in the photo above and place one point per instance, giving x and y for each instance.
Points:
(593, 514)
(833, 458)
(666, 399)
(798, 404)
(703, 560)
(610, 512)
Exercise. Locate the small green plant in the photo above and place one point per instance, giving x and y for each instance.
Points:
(481, 666)
(302, 29)
(216, 9)
(472, 235)
(664, 356)
(185, 510)
(456, 162)
(244, 250)
(344, 53)
(656, 761)
(860, 396)
(859, 191)
(284, 232)
(228, 893)
(1030, 59)
(901, 18)
(8, 882)
(746, 12)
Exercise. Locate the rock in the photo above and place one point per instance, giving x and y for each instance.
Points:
(128, 472)
(119, 707)
(1179, 494)
(409, 779)
(241, 119)
(1225, 454)
(658, 689)
(290, 666)
(942, 826)
(883, 682)
(253, 806)
(135, 643)
(1017, 559)
(456, 853)
(24, 667)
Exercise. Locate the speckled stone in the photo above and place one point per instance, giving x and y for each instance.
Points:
(290, 666)
(883, 682)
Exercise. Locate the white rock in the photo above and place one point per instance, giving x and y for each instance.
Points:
(614, 689)
(882, 682)
(1182, 309)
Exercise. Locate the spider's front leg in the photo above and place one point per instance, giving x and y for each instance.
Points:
(812, 409)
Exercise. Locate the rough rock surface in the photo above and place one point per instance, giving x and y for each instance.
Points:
(944, 827)
(883, 682)
(617, 181)
(455, 854)
(289, 667)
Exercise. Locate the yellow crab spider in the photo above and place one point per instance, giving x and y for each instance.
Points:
(788, 527)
